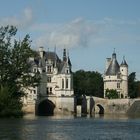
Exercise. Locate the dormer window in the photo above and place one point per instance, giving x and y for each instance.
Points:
(67, 71)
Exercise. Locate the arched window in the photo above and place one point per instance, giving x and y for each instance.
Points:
(62, 83)
(67, 82)
(118, 85)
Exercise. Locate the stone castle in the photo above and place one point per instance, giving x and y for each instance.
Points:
(55, 92)
(56, 76)
(116, 76)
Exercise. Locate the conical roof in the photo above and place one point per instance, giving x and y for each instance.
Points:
(114, 67)
(124, 63)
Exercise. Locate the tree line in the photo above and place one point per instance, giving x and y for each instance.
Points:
(88, 83)
(91, 83)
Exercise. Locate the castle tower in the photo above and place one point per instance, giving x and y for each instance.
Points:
(116, 76)
(124, 76)
(111, 76)
(66, 74)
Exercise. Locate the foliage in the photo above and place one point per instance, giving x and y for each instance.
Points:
(14, 68)
(132, 86)
(111, 94)
(9, 106)
(88, 83)
(138, 88)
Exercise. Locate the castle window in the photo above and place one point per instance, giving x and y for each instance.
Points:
(34, 91)
(49, 69)
(66, 83)
(50, 90)
(118, 85)
(67, 71)
(62, 83)
(47, 90)
(49, 79)
(35, 70)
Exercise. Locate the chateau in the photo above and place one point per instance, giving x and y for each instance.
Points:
(57, 80)
(116, 76)
(54, 94)
(56, 76)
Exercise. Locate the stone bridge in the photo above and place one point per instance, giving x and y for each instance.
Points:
(83, 105)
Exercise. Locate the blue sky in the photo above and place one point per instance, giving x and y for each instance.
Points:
(89, 29)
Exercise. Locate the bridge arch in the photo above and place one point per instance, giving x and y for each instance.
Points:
(99, 109)
(45, 108)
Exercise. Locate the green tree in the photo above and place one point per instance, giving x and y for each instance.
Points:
(132, 85)
(88, 83)
(14, 69)
(111, 94)
(138, 88)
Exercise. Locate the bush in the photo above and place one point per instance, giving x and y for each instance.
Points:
(111, 94)
(9, 105)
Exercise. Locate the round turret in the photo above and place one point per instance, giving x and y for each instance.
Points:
(124, 68)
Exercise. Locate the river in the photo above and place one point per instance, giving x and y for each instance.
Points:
(71, 128)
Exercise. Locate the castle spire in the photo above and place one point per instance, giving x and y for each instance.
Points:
(55, 56)
(114, 50)
(114, 54)
(124, 62)
(64, 55)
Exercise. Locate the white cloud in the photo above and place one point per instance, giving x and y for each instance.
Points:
(76, 33)
(20, 21)
(82, 33)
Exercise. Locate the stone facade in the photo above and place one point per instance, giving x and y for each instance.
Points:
(56, 76)
(116, 76)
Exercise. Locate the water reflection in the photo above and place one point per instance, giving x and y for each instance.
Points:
(117, 127)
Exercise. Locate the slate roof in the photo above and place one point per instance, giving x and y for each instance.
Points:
(114, 67)
(61, 65)
(52, 55)
(124, 63)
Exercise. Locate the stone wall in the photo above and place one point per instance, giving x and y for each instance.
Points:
(64, 105)
(115, 106)
(67, 105)
(30, 108)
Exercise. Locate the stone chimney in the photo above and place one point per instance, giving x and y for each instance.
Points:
(41, 50)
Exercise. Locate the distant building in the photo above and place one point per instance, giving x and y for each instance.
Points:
(56, 76)
(116, 76)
